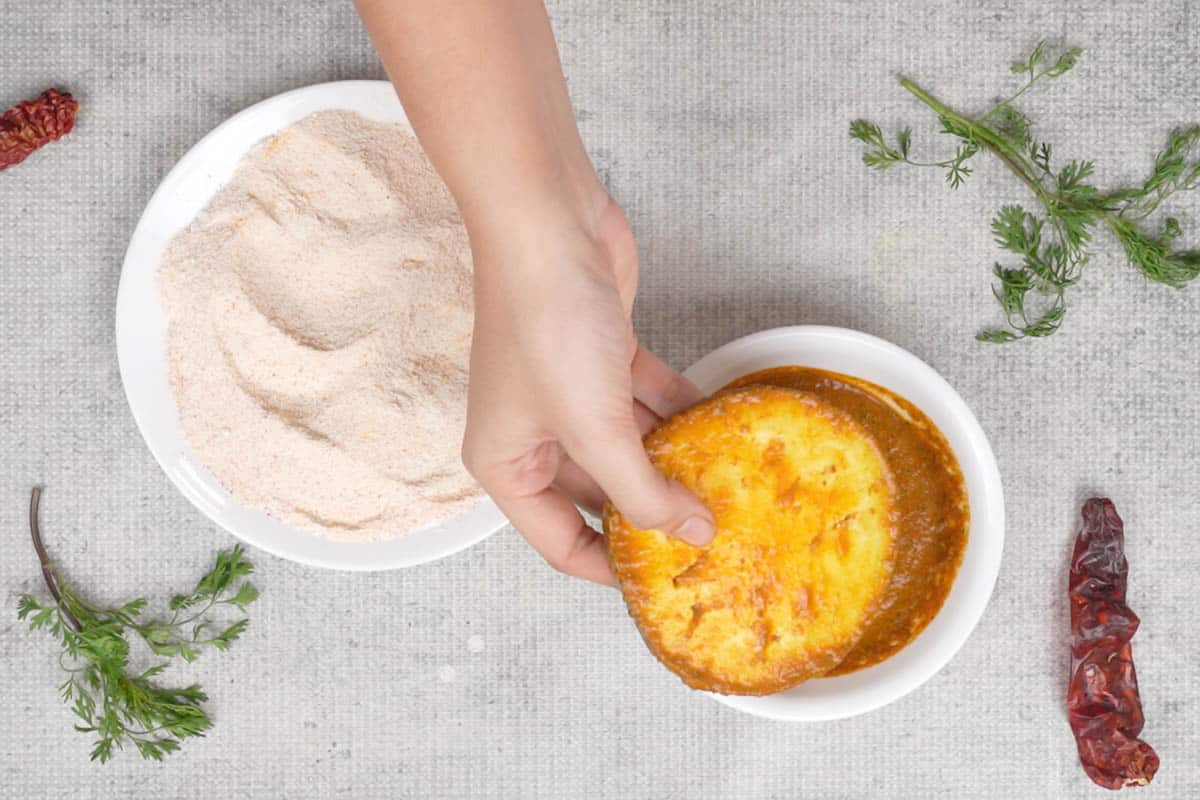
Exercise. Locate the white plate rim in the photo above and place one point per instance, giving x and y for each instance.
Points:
(846, 351)
(140, 336)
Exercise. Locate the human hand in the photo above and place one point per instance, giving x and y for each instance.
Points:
(561, 392)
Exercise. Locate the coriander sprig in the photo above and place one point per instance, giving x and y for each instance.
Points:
(120, 706)
(1052, 245)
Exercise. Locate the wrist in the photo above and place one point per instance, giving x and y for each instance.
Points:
(530, 204)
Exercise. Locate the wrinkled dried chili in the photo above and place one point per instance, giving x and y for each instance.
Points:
(1104, 707)
(30, 124)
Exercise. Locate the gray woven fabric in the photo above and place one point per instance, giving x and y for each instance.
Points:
(722, 128)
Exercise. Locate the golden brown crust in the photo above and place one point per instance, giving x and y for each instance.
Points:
(802, 555)
(931, 499)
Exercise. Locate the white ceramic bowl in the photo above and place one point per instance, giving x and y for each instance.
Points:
(870, 358)
(141, 341)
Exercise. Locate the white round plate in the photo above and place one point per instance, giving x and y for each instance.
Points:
(141, 341)
(865, 356)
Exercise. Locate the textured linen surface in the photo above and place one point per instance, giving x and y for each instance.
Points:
(722, 128)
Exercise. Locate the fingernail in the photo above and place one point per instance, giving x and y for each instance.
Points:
(695, 530)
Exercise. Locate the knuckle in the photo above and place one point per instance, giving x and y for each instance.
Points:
(534, 469)
(522, 475)
(566, 559)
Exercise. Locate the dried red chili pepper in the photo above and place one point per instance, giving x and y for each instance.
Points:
(1102, 698)
(28, 125)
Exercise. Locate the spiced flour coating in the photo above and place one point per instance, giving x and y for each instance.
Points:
(320, 315)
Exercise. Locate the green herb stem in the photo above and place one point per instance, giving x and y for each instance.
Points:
(121, 707)
(981, 134)
(1052, 245)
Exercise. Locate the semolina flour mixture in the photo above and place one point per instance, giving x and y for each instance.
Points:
(319, 316)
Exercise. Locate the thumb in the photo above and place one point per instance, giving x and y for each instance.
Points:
(617, 462)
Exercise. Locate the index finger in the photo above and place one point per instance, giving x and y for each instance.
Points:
(550, 523)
